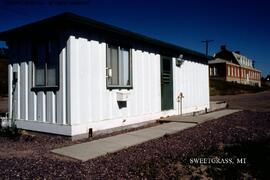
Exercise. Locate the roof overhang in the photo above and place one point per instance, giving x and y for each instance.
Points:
(69, 20)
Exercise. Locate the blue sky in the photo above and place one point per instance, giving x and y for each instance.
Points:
(241, 25)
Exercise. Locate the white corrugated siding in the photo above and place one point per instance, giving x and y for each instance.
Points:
(92, 103)
(83, 100)
(192, 80)
(48, 107)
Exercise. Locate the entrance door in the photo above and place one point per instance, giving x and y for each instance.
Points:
(166, 83)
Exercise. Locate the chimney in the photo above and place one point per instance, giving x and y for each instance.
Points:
(253, 64)
(223, 47)
(237, 52)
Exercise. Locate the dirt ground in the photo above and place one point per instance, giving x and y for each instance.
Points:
(3, 104)
(255, 102)
(244, 134)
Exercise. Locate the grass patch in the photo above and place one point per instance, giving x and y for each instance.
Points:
(220, 87)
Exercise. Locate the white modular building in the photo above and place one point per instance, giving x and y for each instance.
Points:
(71, 75)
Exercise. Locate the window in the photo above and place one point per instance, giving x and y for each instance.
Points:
(212, 71)
(118, 67)
(215, 71)
(46, 68)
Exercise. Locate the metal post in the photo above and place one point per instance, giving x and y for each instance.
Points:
(181, 106)
(206, 47)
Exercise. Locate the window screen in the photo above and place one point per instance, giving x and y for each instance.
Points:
(46, 59)
(118, 66)
(124, 67)
(40, 65)
(52, 64)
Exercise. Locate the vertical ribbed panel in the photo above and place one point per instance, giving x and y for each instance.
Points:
(95, 101)
(43, 106)
(73, 81)
(192, 80)
(83, 96)
(17, 93)
(24, 90)
(60, 96)
(50, 107)
(10, 70)
(32, 97)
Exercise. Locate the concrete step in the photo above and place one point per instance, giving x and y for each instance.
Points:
(200, 118)
(217, 105)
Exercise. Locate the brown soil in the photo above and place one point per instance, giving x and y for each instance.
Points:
(259, 102)
(3, 104)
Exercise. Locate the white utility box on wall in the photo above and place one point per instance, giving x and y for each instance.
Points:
(122, 96)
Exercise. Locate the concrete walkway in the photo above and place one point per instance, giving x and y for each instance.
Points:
(100, 147)
(200, 118)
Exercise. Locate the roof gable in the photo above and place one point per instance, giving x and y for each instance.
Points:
(242, 60)
(227, 55)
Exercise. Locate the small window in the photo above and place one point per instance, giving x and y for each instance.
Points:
(46, 60)
(118, 67)
(215, 71)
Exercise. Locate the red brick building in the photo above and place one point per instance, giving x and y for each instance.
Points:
(234, 67)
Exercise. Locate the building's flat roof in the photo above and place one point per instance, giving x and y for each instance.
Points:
(59, 21)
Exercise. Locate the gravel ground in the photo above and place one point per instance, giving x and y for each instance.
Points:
(3, 104)
(166, 157)
(259, 102)
(244, 134)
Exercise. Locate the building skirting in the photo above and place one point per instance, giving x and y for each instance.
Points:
(82, 130)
